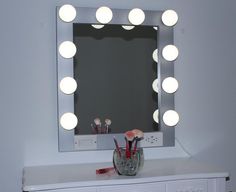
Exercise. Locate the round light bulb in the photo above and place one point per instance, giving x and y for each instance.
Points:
(156, 116)
(68, 85)
(136, 16)
(67, 13)
(169, 18)
(170, 85)
(104, 15)
(127, 27)
(171, 118)
(154, 55)
(98, 26)
(67, 49)
(170, 52)
(155, 85)
(68, 121)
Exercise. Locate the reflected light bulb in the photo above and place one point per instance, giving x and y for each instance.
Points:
(67, 49)
(171, 118)
(136, 16)
(67, 13)
(98, 26)
(154, 55)
(170, 85)
(155, 85)
(156, 116)
(104, 15)
(68, 121)
(127, 27)
(169, 18)
(68, 85)
(170, 52)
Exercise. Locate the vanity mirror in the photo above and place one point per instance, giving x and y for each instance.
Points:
(109, 67)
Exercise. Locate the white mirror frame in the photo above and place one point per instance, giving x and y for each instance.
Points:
(65, 67)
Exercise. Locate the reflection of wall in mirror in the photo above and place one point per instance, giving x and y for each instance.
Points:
(114, 70)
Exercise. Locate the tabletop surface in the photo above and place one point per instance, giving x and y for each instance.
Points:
(84, 175)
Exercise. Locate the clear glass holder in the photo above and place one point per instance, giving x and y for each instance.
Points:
(128, 165)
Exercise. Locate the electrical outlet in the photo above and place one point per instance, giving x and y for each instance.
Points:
(85, 142)
(152, 139)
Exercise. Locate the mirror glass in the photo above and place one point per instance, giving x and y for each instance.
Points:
(114, 70)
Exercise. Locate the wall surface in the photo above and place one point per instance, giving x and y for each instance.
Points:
(206, 102)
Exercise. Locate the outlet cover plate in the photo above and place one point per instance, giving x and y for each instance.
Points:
(152, 139)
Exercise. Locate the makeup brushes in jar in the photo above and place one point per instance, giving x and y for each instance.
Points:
(131, 137)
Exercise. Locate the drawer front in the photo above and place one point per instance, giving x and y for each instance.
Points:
(149, 187)
(84, 189)
(195, 185)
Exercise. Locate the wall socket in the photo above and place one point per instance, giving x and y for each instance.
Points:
(85, 142)
(152, 139)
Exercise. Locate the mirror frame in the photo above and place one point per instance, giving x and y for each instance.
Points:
(64, 32)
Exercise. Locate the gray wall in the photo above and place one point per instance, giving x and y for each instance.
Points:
(205, 69)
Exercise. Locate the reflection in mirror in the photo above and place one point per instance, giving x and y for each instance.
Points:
(114, 69)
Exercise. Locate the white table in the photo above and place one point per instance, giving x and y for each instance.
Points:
(164, 175)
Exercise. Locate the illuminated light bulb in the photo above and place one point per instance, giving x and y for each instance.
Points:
(136, 16)
(104, 15)
(155, 85)
(171, 118)
(170, 52)
(98, 26)
(155, 28)
(68, 85)
(170, 85)
(154, 55)
(68, 121)
(67, 49)
(169, 18)
(127, 27)
(67, 13)
(156, 116)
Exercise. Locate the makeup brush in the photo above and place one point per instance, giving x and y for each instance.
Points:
(97, 122)
(107, 124)
(117, 146)
(93, 129)
(138, 137)
(129, 138)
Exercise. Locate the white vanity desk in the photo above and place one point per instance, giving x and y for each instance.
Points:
(164, 175)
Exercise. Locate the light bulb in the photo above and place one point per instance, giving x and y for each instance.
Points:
(98, 26)
(67, 13)
(156, 116)
(154, 55)
(136, 16)
(170, 52)
(68, 85)
(67, 49)
(155, 28)
(127, 27)
(171, 118)
(170, 85)
(155, 85)
(169, 18)
(104, 15)
(68, 121)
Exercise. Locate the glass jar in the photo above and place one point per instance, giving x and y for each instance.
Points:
(128, 165)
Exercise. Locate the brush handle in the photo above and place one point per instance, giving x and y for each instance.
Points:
(127, 151)
(117, 146)
(135, 146)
